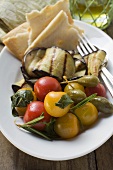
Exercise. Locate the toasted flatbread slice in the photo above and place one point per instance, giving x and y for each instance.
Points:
(19, 29)
(58, 33)
(17, 40)
(38, 21)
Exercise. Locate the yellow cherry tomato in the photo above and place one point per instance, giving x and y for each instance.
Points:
(21, 110)
(50, 104)
(67, 126)
(87, 114)
(72, 86)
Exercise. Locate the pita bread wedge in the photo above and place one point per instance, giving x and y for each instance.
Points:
(38, 21)
(58, 33)
(17, 40)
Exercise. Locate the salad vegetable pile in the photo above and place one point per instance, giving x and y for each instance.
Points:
(59, 110)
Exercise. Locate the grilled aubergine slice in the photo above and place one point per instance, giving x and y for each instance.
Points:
(51, 61)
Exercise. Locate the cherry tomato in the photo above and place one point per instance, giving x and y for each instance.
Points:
(34, 110)
(99, 89)
(73, 86)
(87, 114)
(50, 104)
(67, 126)
(44, 85)
(21, 110)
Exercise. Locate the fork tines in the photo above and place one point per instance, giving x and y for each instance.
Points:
(85, 47)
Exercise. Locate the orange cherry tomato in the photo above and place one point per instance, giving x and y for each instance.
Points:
(87, 114)
(67, 126)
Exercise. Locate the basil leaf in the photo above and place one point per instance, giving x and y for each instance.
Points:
(64, 101)
(14, 112)
(22, 98)
(50, 129)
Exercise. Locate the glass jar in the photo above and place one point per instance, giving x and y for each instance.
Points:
(96, 12)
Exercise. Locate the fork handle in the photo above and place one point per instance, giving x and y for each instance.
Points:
(105, 75)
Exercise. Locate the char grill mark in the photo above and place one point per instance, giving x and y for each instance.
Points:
(52, 61)
(64, 65)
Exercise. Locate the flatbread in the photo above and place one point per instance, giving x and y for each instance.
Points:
(19, 29)
(17, 40)
(52, 26)
(38, 21)
(59, 32)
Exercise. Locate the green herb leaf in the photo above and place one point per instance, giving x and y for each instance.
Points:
(34, 121)
(32, 130)
(14, 112)
(28, 126)
(22, 98)
(83, 102)
(48, 133)
(64, 101)
(50, 129)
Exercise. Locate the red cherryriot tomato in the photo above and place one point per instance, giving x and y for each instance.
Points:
(99, 89)
(34, 110)
(44, 85)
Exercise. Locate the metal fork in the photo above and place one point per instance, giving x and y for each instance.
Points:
(85, 48)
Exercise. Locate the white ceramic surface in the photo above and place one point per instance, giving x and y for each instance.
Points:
(40, 148)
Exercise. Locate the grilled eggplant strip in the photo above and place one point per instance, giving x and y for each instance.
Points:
(20, 84)
(95, 61)
(51, 61)
(31, 58)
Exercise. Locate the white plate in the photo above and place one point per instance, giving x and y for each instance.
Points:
(40, 148)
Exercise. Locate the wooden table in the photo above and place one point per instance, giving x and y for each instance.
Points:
(13, 159)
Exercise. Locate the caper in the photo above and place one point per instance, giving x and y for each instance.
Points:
(76, 95)
(88, 81)
(102, 104)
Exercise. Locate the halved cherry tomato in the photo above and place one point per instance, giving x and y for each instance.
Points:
(87, 114)
(67, 126)
(99, 89)
(44, 85)
(50, 104)
(34, 110)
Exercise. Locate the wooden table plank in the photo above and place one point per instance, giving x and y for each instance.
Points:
(104, 156)
(14, 159)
